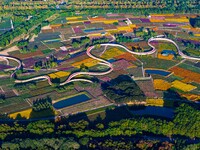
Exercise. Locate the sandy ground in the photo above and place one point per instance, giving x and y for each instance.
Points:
(33, 38)
(46, 27)
(11, 49)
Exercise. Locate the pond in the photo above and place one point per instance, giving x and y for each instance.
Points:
(155, 111)
(157, 71)
(168, 52)
(92, 30)
(71, 101)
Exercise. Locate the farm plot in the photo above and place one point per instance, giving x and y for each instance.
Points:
(59, 74)
(89, 62)
(112, 52)
(156, 63)
(91, 104)
(183, 86)
(162, 85)
(187, 75)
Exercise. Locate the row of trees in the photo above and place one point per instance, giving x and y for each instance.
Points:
(2, 98)
(82, 41)
(123, 89)
(47, 63)
(122, 38)
(185, 124)
(100, 40)
(195, 22)
(24, 27)
(42, 104)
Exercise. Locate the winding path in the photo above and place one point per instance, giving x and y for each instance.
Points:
(101, 61)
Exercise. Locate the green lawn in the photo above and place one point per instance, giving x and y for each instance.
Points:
(192, 52)
(190, 67)
(47, 51)
(150, 62)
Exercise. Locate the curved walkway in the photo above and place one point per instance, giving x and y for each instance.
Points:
(102, 61)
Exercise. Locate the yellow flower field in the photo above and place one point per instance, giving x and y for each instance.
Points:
(59, 74)
(160, 15)
(183, 86)
(160, 84)
(154, 102)
(192, 97)
(176, 20)
(124, 28)
(89, 62)
(109, 21)
(112, 52)
(24, 114)
(156, 20)
(73, 18)
(197, 34)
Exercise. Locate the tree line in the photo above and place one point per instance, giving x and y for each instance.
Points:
(184, 126)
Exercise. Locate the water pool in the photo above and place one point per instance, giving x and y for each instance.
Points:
(168, 52)
(92, 30)
(71, 101)
(159, 72)
(155, 111)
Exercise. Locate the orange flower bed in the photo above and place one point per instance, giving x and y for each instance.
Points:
(97, 19)
(127, 56)
(156, 20)
(159, 15)
(162, 85)
(169, 57)
(192, 97)
(187, 74)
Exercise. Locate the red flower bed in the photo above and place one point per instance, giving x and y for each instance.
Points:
(127, 56)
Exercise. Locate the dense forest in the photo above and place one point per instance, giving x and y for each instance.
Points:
(128, 133)
(195, 22)
(123, 89)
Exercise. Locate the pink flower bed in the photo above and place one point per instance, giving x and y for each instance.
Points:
(77, 30)
(120, 64)
(158, 17)
(144, 20)
(105, 79)
(95, 92)
(112, 15)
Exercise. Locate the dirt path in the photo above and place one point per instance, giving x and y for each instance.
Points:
(11, 49)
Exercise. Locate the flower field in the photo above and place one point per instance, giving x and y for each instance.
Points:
(73, 18)
(110, 21)
(97, 19)
(192, 97)
(162, 85)
(89, 62)
(59, 74)
(24, 114)
(127, 56)
(183, 86)
(186, 74)
(197, 34)
(177, 20)
(169, 57)
(154, 102)
(121, 64)
(125, 28)
(112, 52)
